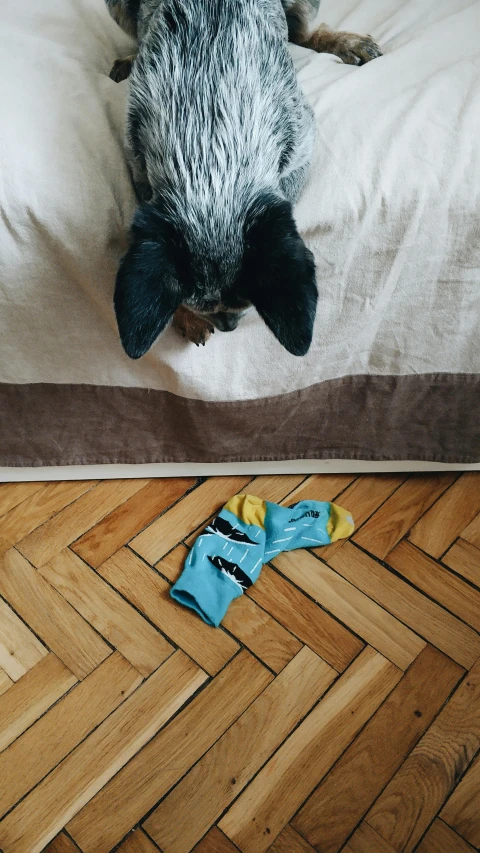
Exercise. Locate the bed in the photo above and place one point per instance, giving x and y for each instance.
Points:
(391, 212)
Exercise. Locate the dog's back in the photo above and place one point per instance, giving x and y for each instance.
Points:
(213, 102)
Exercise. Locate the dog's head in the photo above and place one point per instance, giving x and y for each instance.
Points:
(274, 272)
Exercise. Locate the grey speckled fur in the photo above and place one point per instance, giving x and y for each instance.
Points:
(215, 115)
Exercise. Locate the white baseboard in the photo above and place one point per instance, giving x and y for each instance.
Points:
(302, 466)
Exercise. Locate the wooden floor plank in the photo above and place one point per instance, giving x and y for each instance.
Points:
(404, 602)
(33, 755)
(375, 625)
(462, 811)
(208, 789)
(5, 681)
(215, 842)
(209, 647)
(312, 625)
(47, 541)
(289, 841)
(119, 526)
(46, 810)
(19, 648)
(258, 631)
(472, 532)
(397, 515)
(113, 812)
(271, 800)
(464, 558)
(106, 611)
(171, 566)
(137, 842)
(347, 792)
(363, 497)
(319, 487)
(446, 519)
(38, 508)
(366, 840)
(441, 839)
(12, 494)
(62, 844)
(438, 583)
(158, 539)
(46, 611)
(276, 488)
(30, 697)
(427, 777)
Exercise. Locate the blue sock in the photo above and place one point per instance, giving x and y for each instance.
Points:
(228, 556)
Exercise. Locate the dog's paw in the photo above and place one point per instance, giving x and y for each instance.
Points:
(194, 329)
(199, 333)
(121, 69)
(353, 49)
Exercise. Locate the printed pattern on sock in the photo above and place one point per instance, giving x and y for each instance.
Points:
(229, 554)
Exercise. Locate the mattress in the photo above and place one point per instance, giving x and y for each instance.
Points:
(391, 213)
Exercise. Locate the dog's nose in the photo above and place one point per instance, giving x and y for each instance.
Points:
(225, 321)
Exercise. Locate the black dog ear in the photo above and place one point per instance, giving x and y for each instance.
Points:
(279, 274)
(147, 292)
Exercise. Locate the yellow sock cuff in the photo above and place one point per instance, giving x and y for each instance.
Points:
(248, 508)
(340, 524)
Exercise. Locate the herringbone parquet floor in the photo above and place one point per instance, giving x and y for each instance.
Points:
(337, 709)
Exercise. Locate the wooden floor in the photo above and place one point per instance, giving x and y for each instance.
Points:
(337, 709)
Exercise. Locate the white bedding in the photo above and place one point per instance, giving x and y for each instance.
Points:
(391, 210)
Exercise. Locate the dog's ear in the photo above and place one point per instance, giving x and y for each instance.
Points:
(279, 274)
(147, 292)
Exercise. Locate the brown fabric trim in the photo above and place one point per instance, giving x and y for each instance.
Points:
(430, 417)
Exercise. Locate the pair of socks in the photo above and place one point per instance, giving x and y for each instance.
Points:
(228, 556)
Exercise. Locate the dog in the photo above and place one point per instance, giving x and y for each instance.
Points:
(219, 139)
